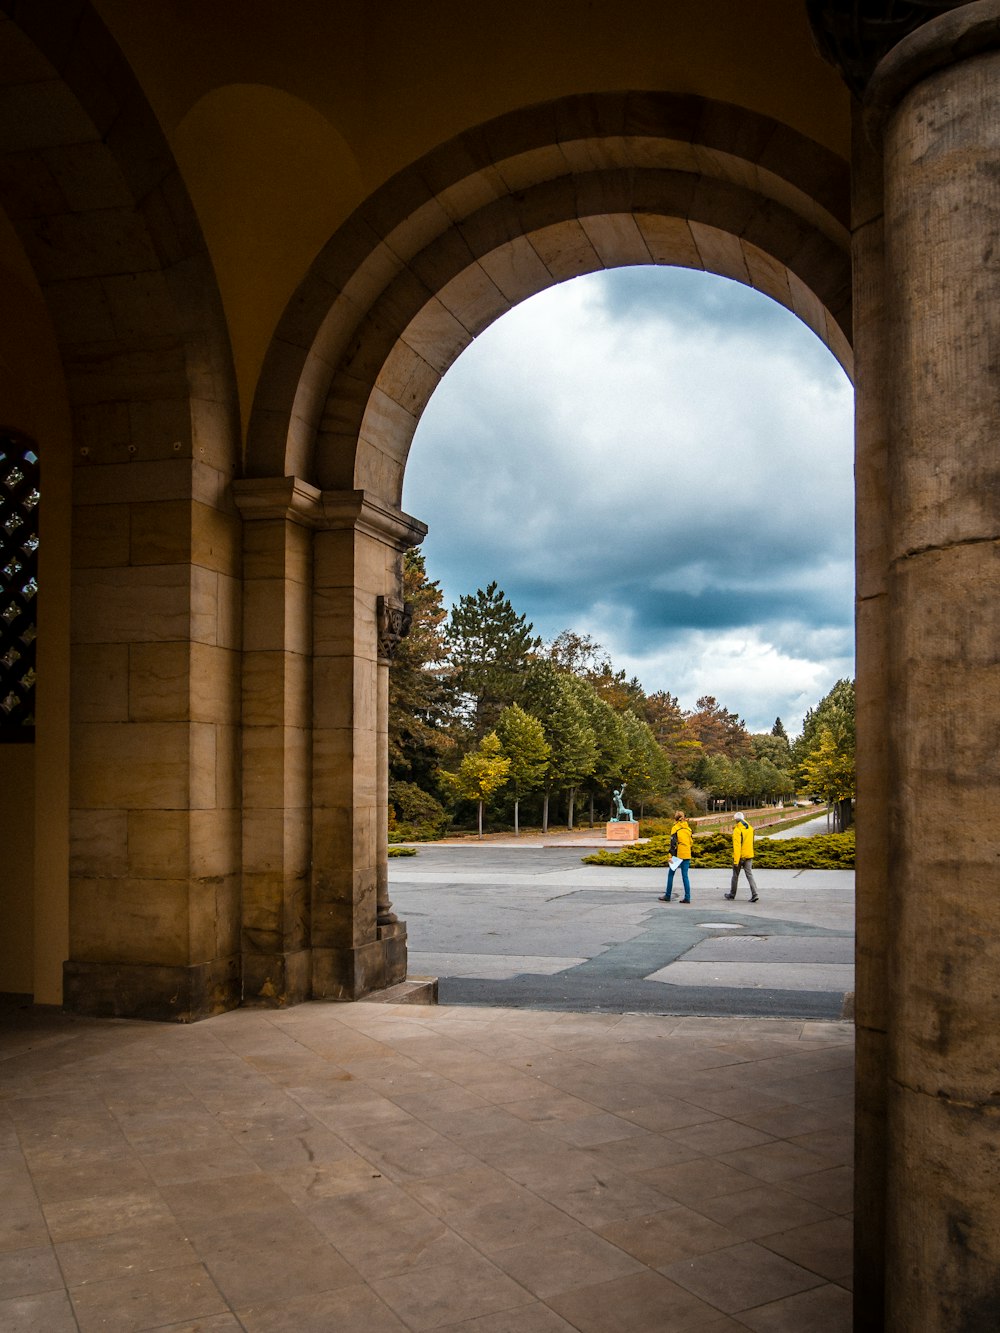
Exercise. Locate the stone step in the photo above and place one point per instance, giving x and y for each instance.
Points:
(414, 990)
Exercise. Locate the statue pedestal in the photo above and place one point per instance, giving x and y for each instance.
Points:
(623, 831)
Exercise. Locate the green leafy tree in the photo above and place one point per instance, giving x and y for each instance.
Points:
(775, 749)
(824, 753)
(491, 647)
(550, 697)
(482, 772)
(646, 770)
(420, 682)
(522, 738)
(610, 739)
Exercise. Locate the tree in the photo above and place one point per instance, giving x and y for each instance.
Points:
(419, 681)
(491, 647)
(646, 769)
(824, 753)
(718, 730)
(482, 772)
(572, 744)
(779, 730)
(775, 749)
(576, 653)
(610, 739)
(616, 690)
(522, 738)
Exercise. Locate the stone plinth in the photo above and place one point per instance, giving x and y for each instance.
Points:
(623, 831)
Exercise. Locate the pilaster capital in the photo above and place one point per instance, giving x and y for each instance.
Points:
(371, 515)
(278, 497)
(333, 511)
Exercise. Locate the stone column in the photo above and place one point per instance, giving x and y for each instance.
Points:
(279, 515)
(154, 779)
(934, 108)
(358, 569)
(875, 888)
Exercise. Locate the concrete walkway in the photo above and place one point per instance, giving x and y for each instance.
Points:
(375, 1168)
(532, 925)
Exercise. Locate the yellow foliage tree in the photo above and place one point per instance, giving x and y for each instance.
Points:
(483, 771)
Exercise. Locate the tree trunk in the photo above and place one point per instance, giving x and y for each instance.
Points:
(480, 818)
(591, 809)
(569, 816)
(517, 830)
(545, 813)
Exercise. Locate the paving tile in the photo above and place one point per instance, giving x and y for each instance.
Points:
(661, 1239)
(46, 1312)
(822, 1310)
(703, 1178)
(537, 1318)
(200, 1164)
(605, 1196)
(384, 1232)
(28, 1272)
(80, 1219)
(270, 1257)
(775, 1161)
(22, 1225)
(350, 1309)
(430, 1297)
(90, 1179)
(740, 1278)
(718, 1136)
(407, 1152)
(587, 1130)
(220, 1323)
(139, 1249)
(668, 1113)
(306, 1185)
(764, 1211)
(832, 1189)
(128, 1304)
(836, 1145)
(490, 1210)
(560, 1263)
(640, 1303)
(824, 1247)
(641, 1152)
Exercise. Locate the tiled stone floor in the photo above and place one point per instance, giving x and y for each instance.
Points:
(379, 1168)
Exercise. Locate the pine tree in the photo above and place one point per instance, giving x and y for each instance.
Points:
(491, 647)
(572, 744)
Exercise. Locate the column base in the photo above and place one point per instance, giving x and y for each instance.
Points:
(148, 991)
(348, 974)
(276, 980)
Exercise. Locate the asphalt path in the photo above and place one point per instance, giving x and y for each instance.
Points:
(532, 927)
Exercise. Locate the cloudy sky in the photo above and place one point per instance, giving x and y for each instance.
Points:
(661, 459)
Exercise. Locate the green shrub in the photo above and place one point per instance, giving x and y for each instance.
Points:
(414, 815)
(831, 851)
(402, 851)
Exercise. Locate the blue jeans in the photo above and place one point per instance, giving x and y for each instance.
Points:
(685, 866)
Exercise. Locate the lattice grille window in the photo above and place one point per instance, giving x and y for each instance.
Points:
(19, 497)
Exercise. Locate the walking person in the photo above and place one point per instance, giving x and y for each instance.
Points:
(680, 846)
(742, 856)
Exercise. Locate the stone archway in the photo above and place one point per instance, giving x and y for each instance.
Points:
(149, 740)
(428, 262)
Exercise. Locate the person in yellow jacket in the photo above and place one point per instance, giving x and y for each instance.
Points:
(680, 846)
(743, 856)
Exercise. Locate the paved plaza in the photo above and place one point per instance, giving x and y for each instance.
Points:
(530, 924)
(385, 1168)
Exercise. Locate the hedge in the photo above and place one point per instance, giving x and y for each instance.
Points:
(830, 851)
